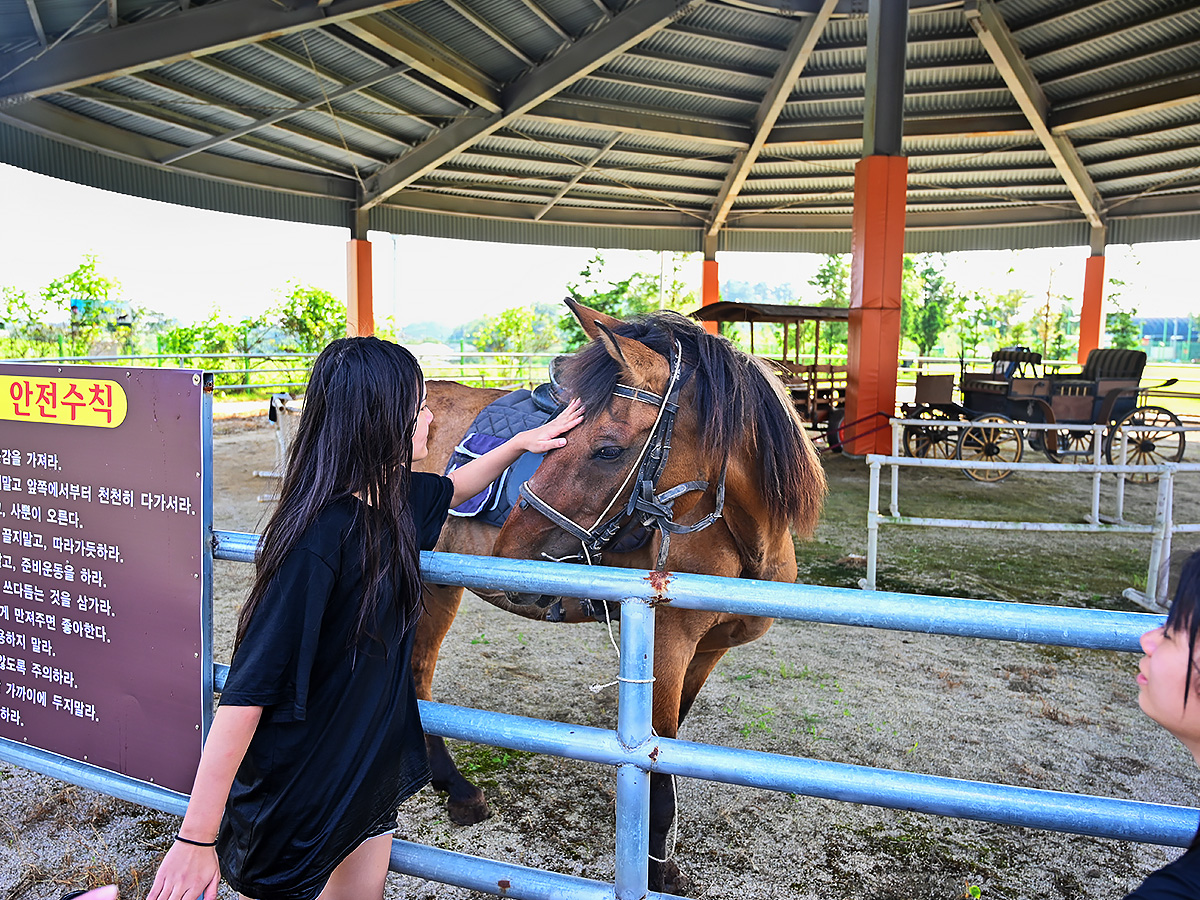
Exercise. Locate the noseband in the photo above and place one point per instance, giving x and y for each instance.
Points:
(645, 508)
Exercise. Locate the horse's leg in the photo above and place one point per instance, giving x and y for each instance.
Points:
(466, 803)
(675, 638)
(705, 654)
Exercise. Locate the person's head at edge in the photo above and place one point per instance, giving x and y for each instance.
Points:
(1169, 674)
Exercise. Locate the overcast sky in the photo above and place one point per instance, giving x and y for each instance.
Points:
(182, 262)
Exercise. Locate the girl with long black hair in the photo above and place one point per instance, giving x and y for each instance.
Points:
(318, 739)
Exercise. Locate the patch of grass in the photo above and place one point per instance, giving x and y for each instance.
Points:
(480, 760)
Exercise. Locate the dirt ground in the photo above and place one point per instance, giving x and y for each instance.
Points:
(1041, 717)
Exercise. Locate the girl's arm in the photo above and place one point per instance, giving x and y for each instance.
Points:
(473, 477)
(193, 871)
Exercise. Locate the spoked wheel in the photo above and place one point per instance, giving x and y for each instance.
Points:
(833, 429)
(1068, 446)
(937, 440)
(1146, 448)
(990, 438)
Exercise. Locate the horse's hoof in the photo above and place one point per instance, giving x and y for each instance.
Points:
(470, 811)
(666, 877)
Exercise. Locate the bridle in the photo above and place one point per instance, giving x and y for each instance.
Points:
(645, 508)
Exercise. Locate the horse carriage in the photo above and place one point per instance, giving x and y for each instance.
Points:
(817, 389)
(990, 424)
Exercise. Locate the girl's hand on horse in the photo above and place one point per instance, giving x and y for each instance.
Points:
(187, 871)
(549, 436)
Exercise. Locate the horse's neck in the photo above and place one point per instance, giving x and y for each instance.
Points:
(764, 545)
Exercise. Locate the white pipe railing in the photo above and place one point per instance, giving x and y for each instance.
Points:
(1160, 530)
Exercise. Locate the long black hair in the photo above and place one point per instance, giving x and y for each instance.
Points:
(354, 438)
(1182, 614)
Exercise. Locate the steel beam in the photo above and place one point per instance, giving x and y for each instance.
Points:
(64, 126)
(1148, 98)
(408, 44)
(161, 114)
(289, 96)
(36, 20)
(273, 49)
(548, 19)
(158, 41)
(583, 170)
(627, 28)
(619, 117)
(490, 30)
(217, 140)
(798, 53)
(204, 97)
(1006, 55)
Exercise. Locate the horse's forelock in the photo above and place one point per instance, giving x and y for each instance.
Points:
(741, 401)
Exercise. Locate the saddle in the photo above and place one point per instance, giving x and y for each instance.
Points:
(495, 424)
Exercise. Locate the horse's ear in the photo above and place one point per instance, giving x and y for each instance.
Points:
(590, 318)
(642, 367)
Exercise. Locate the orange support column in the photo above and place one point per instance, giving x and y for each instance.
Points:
(877, 247)
(710, 292)
(360, 313)
(1091, 318)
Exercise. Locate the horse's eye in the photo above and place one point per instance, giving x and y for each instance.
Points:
(608, 453)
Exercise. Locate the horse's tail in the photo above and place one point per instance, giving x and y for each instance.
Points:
(791, 478)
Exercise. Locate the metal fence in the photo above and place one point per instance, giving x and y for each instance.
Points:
(270, 372)
(1161, 530)
(635, 751)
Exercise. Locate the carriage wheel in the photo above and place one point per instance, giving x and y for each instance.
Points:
(1146, 448)
(990, 438)
(936, 441)
(1072, 446)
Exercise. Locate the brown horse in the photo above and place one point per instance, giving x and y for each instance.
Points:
(743, 470)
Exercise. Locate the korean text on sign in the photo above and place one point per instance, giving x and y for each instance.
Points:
(62, 401)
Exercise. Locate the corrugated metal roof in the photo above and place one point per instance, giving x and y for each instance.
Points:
(491, 121)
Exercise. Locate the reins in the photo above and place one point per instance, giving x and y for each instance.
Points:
(645, 508)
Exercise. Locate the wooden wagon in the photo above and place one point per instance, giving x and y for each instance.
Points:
(987, 424)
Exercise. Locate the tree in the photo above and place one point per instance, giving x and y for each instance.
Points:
(91, 306)
(971, 322)
(216, 335)
(1005, 316)
(928, 318)
(309, 318)
(640, 293)
(517, 330)
(769, 338)
(832, 281)
(1122, 331)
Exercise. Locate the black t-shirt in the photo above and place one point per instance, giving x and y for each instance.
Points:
(1179, 880)
(340, 744)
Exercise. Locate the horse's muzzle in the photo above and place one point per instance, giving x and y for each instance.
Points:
(541, 601)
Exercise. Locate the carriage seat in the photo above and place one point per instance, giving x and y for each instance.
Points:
(1105, 369)
(1008, 364)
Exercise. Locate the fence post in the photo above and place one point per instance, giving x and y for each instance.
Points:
(1122, 459)
(1097, 440)
(1161, 517)
(634, 717)
(873, 526)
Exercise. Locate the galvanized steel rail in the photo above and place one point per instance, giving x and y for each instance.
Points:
(636, 752)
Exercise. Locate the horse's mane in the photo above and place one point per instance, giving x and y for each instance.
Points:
(740, 401)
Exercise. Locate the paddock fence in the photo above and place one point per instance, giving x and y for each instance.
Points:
(635, 752)
(1161, 530)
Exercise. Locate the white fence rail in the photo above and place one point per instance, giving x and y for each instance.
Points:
(1161, 529)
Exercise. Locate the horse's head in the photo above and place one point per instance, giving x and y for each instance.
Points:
(690, 457)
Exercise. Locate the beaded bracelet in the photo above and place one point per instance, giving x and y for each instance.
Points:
(184, 840)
